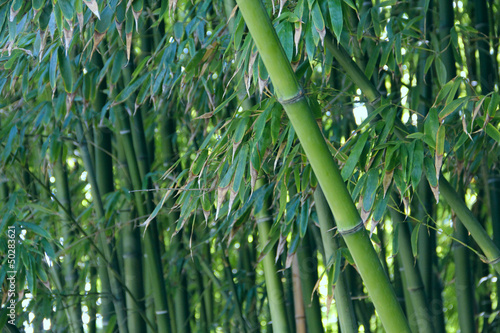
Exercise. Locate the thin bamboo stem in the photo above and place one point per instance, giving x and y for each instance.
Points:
(274, 287)
(342, 295)
(68, 266)
(420, 316)
(308, 271)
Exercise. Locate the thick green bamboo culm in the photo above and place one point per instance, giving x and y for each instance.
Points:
(345, 309)
(449, 194)
(348, 220)
(274, 287)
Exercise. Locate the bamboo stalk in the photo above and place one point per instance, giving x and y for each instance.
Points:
(153, 260)
(108, 256)
(70, 274)
(463, 283)
(132, 257)
(274, 287)
(308, 272)
(350, 224)
(420, 314)
(181, 297)
(446, 22)
(486, 70)
(345, 309)
(298, 298)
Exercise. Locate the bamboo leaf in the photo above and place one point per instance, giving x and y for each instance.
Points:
(304, 214)
(53, 70)
(493, 105)
(155, 212)
(227, 177)
(418, 161)
(178, 31)
(441, 71)
(102, 25)
(430, 172)
(66, 71)
(8, 146)
(94, 8)
(35, 228)
(318, 21)
(440, 140)
(493, 132)
(397, 50)
(67, 9)
(453, 106)
(260, 123)
(335, 9)
(380, 208)
(370, 190)
(130, 89)
(414, 240)
(431, 126)
(353, 159)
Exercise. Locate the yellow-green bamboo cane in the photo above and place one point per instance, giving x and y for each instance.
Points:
(348, 220)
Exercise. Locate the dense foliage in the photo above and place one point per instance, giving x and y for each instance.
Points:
(154, 182)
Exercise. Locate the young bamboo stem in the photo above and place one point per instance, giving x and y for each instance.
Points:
(274, 287)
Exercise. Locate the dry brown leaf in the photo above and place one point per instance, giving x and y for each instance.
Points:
(94, 8)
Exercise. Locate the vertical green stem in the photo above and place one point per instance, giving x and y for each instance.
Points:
(463, 280)
(274, 286)
(115, 288)
(308, 271)
(342, 293)
(132, 256)
(68, 266)
(420, 315)
(153, 260)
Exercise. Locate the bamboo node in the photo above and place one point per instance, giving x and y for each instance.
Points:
(161, 312)
(263, 219)
(293, 99)
(494, 261)
(352, 230)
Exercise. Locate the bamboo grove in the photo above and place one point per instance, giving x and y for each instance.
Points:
(249, 166)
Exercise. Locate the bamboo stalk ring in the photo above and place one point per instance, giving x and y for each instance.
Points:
(352, 230)
(294, 99)
(494, 261)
